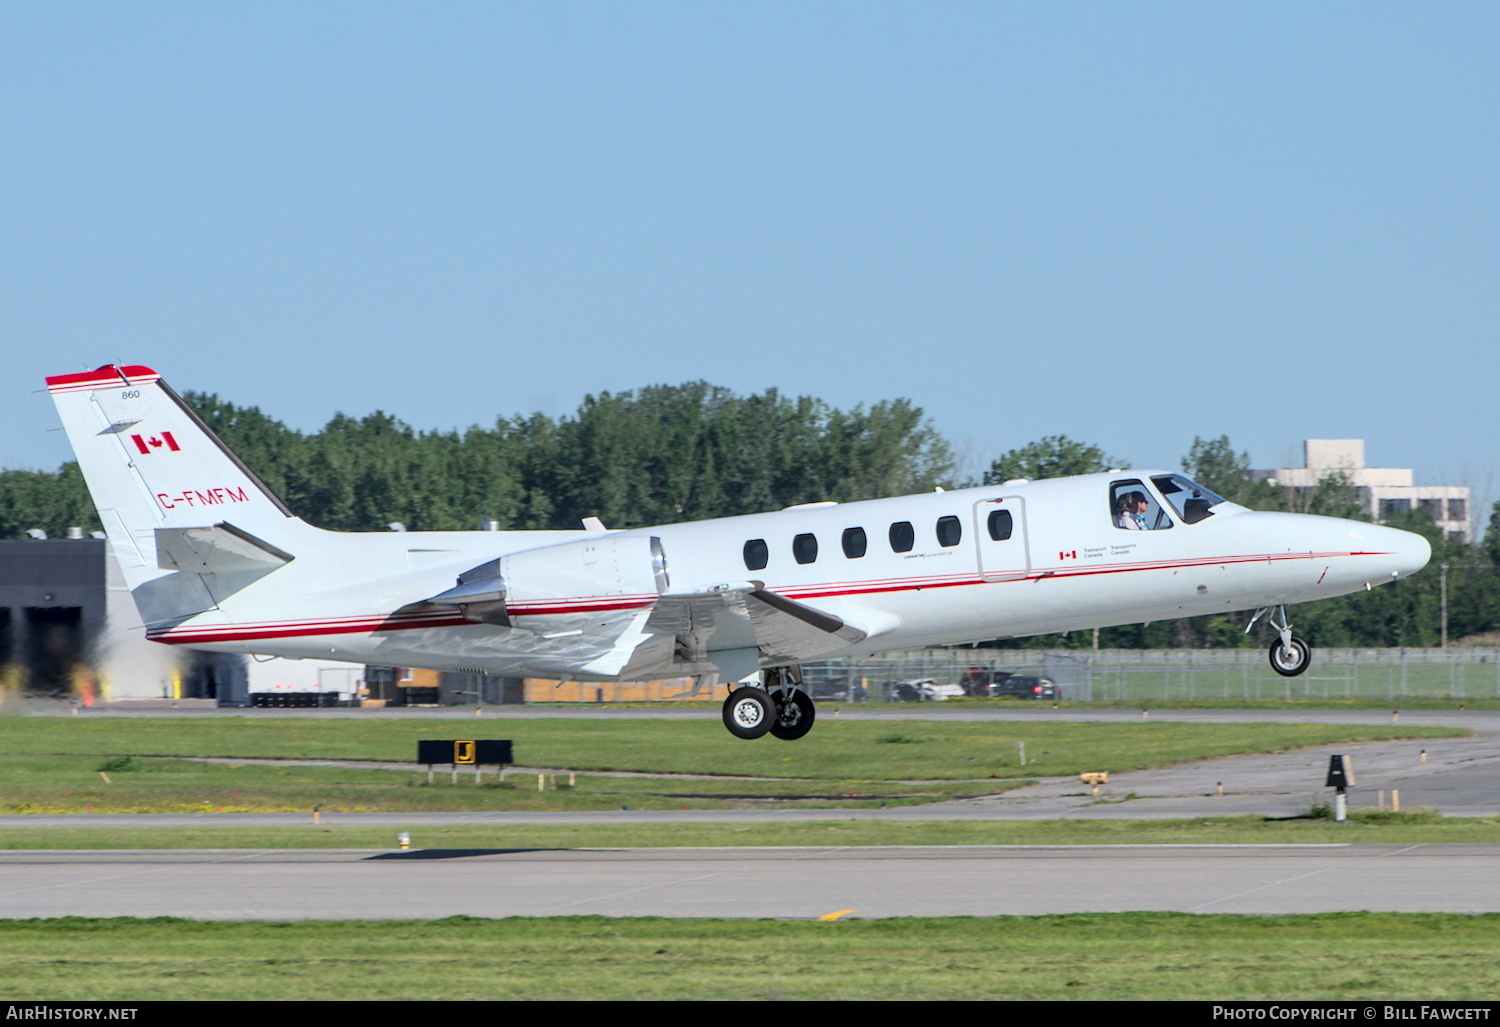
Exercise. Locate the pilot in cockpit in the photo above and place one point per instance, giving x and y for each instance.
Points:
(1131, 512)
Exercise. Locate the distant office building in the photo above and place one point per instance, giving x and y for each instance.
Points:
(1384, 492)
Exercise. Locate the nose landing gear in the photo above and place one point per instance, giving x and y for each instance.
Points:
(779, 706)
(1289, 654)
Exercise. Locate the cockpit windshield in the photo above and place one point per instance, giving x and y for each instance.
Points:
(1192, 501)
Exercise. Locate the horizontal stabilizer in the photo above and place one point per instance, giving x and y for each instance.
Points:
(217, 550)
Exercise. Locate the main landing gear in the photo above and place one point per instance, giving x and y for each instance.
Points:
(1290, 655)
(779, 705)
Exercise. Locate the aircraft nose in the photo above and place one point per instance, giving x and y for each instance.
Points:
(1409, 550)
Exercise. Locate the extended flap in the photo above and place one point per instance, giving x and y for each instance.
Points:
(746, 616)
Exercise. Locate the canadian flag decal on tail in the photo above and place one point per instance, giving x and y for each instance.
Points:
(159, 441)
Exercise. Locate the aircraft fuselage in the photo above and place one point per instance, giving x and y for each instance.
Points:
(1064, 567)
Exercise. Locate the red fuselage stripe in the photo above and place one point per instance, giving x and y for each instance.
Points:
(406, 622)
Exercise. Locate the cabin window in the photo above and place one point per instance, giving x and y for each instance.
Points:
(855, 543)
(1192, 501)
(805, 548)
(903, 537)
(1000, 525)
(1133, 508)
(757, 554)
(949, 531)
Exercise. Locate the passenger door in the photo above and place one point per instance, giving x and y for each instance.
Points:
(1000, 534)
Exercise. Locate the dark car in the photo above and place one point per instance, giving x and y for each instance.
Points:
(981, 681)
(1024, 686)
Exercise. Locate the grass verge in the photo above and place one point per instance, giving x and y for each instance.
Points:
(53, 764)
(1372, 828)
(152, 784)
(1082, 956)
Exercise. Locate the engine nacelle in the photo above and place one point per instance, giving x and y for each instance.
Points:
(580, 577)
(551, 588)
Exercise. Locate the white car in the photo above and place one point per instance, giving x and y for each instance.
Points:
(922, 690)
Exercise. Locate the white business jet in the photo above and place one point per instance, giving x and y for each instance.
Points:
(215, 561)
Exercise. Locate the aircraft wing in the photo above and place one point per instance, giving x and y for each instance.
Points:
(748, 616)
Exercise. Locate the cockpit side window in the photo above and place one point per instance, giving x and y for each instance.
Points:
(1133, 508)
(1192, 501)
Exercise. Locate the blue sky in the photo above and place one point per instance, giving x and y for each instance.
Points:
(1129, 223)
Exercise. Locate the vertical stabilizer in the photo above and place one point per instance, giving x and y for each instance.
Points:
(155, 470)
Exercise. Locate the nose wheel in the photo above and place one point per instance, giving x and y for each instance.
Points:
(1290, 658)
(1290, 655)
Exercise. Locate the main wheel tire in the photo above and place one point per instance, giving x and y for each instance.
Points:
(749, 712)
(794, 717)
(1291, 661)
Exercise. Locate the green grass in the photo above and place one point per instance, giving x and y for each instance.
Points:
(156, 784)
(52, 764)
(1362, 828)
(1346, 956)
(56, 761)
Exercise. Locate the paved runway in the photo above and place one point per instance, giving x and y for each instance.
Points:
(783, 883)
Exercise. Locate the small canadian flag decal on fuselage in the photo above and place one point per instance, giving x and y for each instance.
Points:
(1071, 554)
(149, 445)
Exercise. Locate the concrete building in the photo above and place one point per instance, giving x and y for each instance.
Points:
(69, 630)
(68, 627)
(1384, 492)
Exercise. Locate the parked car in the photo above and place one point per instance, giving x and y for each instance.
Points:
(980, 681)
(921, 690)
(835, 690)
(902, 691)
(1024, 686)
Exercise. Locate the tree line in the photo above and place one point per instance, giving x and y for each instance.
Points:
(686, 452)
(649, 456)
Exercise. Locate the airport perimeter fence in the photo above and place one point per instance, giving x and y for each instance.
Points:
(879, 677)
(1160, 676)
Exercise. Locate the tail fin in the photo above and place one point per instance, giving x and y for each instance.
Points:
(171, 495)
